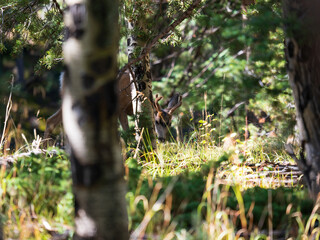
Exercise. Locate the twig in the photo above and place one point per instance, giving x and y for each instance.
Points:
(172, 26)
(12, 158)
(8, 109)
(137, 149)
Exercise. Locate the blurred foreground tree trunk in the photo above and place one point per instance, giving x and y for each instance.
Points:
(303, 60)
(1, 229)
(90, 119)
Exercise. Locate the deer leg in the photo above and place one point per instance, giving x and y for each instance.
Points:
(53, 122)
(124, 121)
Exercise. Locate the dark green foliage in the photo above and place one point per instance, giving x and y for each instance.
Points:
(32, 23)
(206, 54)
(41, 181)
(187, 195)
(212, 59)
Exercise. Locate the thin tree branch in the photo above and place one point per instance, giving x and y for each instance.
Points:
(57, 5)
(172, 26)
(162, 35)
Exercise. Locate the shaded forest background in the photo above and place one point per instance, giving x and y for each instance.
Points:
(227, 61)
(224, 55)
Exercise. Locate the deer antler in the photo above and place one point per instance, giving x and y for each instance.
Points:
(176, 106)
(156, 104)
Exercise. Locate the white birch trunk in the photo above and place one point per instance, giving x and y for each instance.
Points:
(90, 119)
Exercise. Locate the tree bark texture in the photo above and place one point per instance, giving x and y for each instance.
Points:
(302, 48)
(141, 92)
(90, 119)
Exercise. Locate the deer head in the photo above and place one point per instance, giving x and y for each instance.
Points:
(163, 117)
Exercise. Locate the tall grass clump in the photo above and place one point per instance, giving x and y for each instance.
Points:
(220, 188)
(199, 205)
(36, 197)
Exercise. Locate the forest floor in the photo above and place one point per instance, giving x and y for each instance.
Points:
(184, 191)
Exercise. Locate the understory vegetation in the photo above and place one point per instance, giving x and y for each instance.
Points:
(185, 190)
(223, 173)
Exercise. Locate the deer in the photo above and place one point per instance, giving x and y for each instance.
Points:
(125, 105)
(163, 117)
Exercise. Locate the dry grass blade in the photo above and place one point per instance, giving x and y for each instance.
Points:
(139, 232)
(8, 109)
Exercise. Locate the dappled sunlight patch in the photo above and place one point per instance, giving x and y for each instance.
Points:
(204, 206)
(175, 158)
(227, 193)
(265, 175)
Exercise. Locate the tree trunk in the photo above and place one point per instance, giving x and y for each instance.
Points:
(302, 54)
(142, 94)
(90, 119)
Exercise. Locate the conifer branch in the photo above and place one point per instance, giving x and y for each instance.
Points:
(163, 34)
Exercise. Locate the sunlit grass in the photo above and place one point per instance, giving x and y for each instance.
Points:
(175, 158)
(236, 162)
(190, 190)
(226, 174)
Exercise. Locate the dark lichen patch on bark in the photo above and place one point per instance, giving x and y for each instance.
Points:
(148, 73)
(105, 98)
(306, 97)
(78, 12)
(142, 86)
(78, 33)
(92, 108)
(87, 80)
(102, 65)
(139, 72)
(66, 33)
(76, 203)
(85, 174)
(290, 49)
(105, 152)
(110, 98)
(66, 75)
(305, 53)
